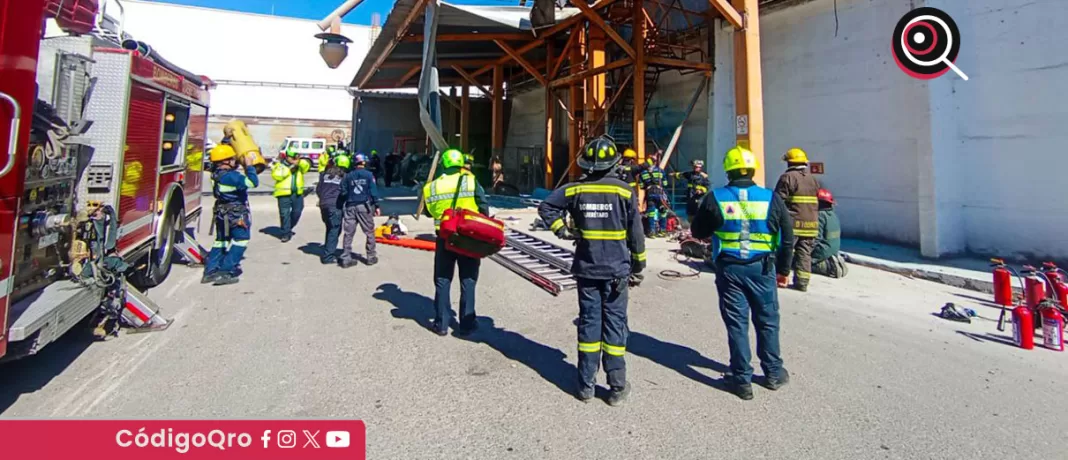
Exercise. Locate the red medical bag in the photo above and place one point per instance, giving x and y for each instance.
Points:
(470, 233)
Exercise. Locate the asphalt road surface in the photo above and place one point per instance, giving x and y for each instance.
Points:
(875, 374)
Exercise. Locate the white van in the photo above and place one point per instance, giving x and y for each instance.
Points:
(308, 147)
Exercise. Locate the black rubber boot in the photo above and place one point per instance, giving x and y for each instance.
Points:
(618, 395)
(439, 329)
(584, 393)
(372, 260)
(467, 326)
(226, 279)
(778, 381)
(741, 390)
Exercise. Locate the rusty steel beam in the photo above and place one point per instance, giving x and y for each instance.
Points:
(522, 62)
(408, 76)
(579, 76)
(470, 79)
(677, 63)
(416, 10)
(469, 37)
(559, 27)
(597, 20)
(563, 54)
(729, 12)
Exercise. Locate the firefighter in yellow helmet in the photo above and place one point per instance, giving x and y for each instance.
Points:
(752, 240)
(628, 169)
(453, 189)
(231, 216)
(288, 174)
(800, 189)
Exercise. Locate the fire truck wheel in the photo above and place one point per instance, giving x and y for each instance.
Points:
(162, 255)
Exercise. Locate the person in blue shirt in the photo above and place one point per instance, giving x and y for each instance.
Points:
(359, 197)
(231, 216)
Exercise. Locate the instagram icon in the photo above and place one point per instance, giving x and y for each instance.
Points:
(287, 439)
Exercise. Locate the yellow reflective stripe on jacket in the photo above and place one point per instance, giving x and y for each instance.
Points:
(736, 236)
(612, 235)
(744, 210)
(803, 199)
(614, 350)
(597, 188)
(806, 233)
(751, 246)
(639, 256)
(227, 188)
(589, 347)
(557, 225)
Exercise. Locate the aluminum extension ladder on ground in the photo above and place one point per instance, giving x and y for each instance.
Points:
(545, 264)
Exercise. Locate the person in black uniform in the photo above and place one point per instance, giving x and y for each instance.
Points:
(697, 185)
(610, 247)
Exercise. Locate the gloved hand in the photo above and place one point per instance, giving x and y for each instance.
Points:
(635, 280)
(781, 280)
(563, 234)
(637, 266)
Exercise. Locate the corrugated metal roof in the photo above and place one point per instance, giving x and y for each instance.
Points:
(407, 17)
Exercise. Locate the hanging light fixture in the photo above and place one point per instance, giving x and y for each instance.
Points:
(333, 49)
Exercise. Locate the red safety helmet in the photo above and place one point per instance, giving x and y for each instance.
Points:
(825, 195)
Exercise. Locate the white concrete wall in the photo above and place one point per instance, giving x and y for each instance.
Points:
(949, 165)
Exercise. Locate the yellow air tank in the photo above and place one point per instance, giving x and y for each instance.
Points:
(242, 142)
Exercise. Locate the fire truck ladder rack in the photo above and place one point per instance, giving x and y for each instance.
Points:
(142, 313)
(545, 264)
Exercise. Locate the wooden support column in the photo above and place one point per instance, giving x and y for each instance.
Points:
(498, 109)
(575, 104)
(465, 116)
(748, 92)
(595, 84)
(640, 28)
(550, 110)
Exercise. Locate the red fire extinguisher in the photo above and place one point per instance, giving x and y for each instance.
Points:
(1023, 328)
(1034, 287)
(1002, 283)
(1058, 283)
(1052, 326)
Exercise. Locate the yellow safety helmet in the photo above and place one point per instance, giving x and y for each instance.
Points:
(630, 153)
(795, 155)
(739, 158)
(222, 152)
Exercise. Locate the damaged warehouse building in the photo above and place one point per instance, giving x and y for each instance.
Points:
(932, 164)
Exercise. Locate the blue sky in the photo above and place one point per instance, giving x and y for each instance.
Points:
(315, 9)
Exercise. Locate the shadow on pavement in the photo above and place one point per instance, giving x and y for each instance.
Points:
(312, 249)
(984, 302)
(550, 363)
(32, 373)
(988, 337)
(681, 359)
(274, 231)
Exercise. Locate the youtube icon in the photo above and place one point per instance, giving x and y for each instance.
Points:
(337, 439)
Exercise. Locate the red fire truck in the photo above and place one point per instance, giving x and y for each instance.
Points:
(102, 174)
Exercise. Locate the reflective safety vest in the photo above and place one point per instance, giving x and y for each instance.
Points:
(286, 182)
(440, 193)
(745, 234)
